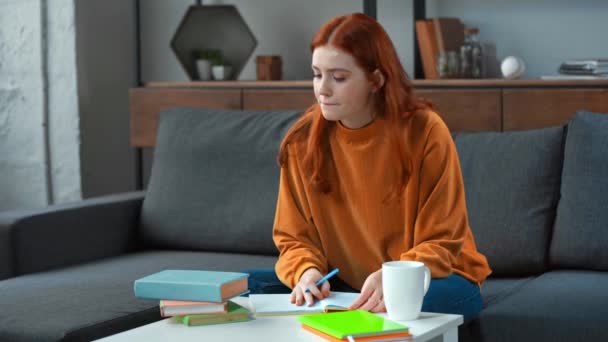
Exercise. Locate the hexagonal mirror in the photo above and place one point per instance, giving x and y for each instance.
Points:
(213, 27)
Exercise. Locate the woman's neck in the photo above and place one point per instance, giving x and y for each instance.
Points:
(363, 119)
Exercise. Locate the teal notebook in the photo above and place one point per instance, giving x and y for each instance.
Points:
(236, 313)
(356, 323)
(192, 285)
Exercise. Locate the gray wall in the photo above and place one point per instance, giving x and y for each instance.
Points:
(542, 32)
(105, 40)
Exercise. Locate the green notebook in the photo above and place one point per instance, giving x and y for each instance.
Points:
(356, 323)
(236, 313)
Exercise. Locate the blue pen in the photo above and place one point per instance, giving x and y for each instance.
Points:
(324, 279)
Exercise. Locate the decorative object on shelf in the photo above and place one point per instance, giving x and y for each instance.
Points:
(471, 55)
(449, 33)
(213, 27)
(203, 67)
(214, 61)
(512, 67)
(429, 52)
(442, 66)
(581, 69)
(448, 65)
(596, 66)
(436, 36)
(221, 72)
(204, 60)
(269, 68)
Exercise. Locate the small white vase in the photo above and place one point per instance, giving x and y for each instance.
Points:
(204, 69)
(221, 72)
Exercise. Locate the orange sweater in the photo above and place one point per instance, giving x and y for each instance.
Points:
(352, 229)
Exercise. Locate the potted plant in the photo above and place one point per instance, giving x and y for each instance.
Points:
(220, 69)
(204, 61)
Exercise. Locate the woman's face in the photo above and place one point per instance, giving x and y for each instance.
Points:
(341, 87)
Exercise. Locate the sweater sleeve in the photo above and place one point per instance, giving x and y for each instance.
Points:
(441, 223)
(294, 232)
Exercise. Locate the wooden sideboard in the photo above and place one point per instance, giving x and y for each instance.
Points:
(465, 105)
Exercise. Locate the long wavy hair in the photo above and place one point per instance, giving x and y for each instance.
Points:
(363, 38)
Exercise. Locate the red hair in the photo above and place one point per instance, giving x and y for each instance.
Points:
(364, 39)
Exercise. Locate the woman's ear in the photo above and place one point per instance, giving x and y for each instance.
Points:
(378, 79)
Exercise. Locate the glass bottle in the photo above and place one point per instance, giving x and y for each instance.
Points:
(466, 58)
(477, 65)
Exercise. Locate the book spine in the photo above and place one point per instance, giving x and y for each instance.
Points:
(438, 35)
(177, 291)
(426, 45)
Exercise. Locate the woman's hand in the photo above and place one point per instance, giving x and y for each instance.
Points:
(371, 297)
(307, 281)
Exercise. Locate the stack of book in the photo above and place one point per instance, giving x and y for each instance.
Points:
(582, 69)
(354, 325)
(196, 297)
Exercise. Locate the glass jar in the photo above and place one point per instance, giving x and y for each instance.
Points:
(442, 65)
(453, 64)
(448, 64)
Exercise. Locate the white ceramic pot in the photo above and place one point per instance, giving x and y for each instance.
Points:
(204, 69)
(221, 72)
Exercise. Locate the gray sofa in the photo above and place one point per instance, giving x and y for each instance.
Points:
(537, 200)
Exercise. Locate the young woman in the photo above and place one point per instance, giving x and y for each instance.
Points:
(370, 174)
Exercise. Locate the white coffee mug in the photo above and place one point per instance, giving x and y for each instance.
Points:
(404, 284)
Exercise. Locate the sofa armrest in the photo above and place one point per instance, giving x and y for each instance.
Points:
(67, 234)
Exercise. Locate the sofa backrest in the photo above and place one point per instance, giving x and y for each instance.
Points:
(580, 236)
(214, 180)
(512, 182)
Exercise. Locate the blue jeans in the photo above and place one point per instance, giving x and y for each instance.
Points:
(453, 294)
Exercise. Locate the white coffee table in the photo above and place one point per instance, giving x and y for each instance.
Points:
(439, 327)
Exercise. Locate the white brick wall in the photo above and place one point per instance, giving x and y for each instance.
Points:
(65, 134)
(22, 170)
(29, 92)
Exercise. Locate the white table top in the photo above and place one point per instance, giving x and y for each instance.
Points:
(274, 328)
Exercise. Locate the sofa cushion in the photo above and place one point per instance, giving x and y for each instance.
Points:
(494, 289)
(89, 301)
(580, 235)
(512, 184)
(214, 180)
(556, 306)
